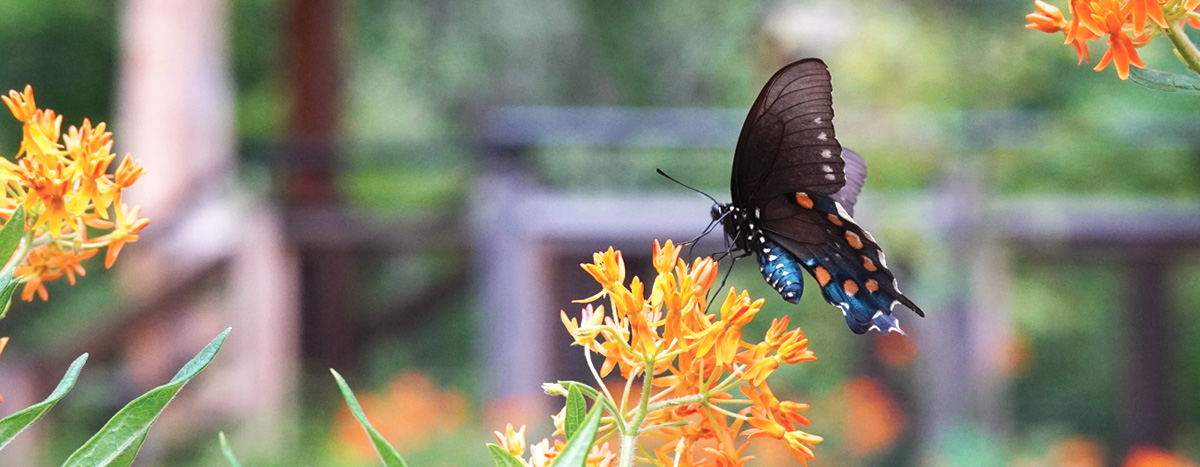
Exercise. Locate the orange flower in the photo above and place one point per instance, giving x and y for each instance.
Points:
(512, 441)
(690, 361)
(1142, 9)
(48, 263)
(128, 171)
(124, 231)
(665, 256)
(63, 185)
(592, 321)
(21, 104)
(608, 268)
(1047, 19)
(1078, 31)
(794, 348)
(799, 443)
(543, 453)
(1110, 18)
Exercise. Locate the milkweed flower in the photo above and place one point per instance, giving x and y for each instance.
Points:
(1126, 25)
(681, 365)
(63, 185)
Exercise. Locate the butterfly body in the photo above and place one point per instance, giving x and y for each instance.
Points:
(794, 189)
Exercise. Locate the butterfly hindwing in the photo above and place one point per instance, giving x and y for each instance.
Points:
(848, 265)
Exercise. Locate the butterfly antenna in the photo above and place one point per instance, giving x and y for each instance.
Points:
(660, 172)
(707, 230)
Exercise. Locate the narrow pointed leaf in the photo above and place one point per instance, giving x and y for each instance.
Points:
(118, 441)
(228, 451)
(10, 235)
(10, 239)
(8, 285)
(502, 458)
(574, 454)
(576, 411)
(15, 423)
(1165, 81)
(386, 452)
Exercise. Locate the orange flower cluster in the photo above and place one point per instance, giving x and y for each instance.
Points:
(692, 361)
(64, 184)
(1123, 22)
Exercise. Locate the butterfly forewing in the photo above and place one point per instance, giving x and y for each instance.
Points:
(787, 143)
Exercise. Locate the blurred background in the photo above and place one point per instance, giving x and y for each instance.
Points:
(403, 191)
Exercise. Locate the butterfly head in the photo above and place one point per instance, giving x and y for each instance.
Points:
(733, 219)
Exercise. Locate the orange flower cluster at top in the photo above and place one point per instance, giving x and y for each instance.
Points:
(692, 361)
(1122, 21)
(64, 185)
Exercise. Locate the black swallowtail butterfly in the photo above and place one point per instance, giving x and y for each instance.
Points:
(794, 189)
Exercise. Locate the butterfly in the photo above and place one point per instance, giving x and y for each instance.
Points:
(794, 189)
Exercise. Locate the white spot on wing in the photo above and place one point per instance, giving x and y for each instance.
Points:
(842, 212)
(822, 136)
(772, 257)
(882, 259)
(830, 177)
(827, 168)
(826, 153)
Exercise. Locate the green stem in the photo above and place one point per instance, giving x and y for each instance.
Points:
(1186, 49)
(634, 428)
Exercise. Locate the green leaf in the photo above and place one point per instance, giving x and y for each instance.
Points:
(10, 235)
(15, 423)
(228, 451)
(1165, 81)
(576, 411)
(502, 458)
(386, 452)
(574, 454)
(118, 441)
(8, 286)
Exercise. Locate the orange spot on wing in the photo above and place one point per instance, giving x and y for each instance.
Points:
(871, 285)
(850, 286)
(835, 220)
(822, 275)
(854, 240)
(869, 265)
(804, 200)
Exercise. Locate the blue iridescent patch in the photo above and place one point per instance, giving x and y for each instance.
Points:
(781, 270)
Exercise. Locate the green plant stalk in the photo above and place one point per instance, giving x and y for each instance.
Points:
(634, 427)
(1187, 50)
